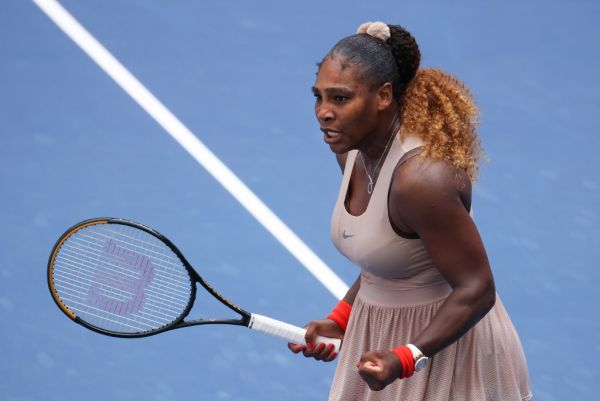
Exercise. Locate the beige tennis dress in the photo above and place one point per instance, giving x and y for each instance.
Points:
(400, 292)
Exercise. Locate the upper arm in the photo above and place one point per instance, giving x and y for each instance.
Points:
(429, 198)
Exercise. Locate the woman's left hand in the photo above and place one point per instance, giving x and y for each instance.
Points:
(379, 368)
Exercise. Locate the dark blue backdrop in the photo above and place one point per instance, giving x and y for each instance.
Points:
(73, 145)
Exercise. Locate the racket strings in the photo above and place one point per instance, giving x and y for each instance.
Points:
(120, 278)
(142, 246)
(75, 283)
(74, 255)
(121, 295)
(145, 246)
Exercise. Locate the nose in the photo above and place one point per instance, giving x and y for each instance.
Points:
(324, 114)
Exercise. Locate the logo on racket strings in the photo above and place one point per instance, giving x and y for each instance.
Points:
(121, 280)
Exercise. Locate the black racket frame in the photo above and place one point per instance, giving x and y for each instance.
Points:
(244, 319)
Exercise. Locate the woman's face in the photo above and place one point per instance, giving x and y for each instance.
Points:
(346, 106)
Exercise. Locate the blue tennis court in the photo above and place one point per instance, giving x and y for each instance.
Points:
(75, 145)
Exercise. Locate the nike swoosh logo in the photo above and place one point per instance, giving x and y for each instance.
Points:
(346, 236)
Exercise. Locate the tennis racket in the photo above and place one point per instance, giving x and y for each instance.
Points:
(123, 279)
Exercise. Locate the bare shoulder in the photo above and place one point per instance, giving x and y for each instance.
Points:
(435, 183)
(341, 159)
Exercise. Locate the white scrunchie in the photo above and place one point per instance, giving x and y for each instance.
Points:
(377, 29)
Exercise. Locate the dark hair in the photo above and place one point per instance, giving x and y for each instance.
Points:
(395, 60)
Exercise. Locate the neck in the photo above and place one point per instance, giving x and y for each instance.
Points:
(378, 141)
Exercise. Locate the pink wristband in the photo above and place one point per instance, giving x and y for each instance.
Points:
(341, 314)
(406, 360)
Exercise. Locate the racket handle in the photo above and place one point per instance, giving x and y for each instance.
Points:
(287, 331)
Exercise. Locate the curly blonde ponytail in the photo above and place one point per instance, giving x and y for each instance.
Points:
(440, 109)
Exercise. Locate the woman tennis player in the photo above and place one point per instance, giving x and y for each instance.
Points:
(422, 321)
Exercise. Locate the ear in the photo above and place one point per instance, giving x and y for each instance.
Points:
(385, 96)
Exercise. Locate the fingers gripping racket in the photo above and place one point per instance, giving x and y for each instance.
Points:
(123, 279)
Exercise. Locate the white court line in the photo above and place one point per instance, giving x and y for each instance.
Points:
(74, 30)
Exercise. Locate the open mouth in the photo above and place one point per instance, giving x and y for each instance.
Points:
(331, 134)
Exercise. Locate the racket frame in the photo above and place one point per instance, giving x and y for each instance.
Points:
(245, 317)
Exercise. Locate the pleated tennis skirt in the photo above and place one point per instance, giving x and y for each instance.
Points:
(486, 364)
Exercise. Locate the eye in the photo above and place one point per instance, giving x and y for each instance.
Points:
(340, 98)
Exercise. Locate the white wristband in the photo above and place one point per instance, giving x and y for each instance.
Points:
(415, 351)
(419, 358)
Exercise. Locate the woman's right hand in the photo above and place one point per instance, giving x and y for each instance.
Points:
(319, 351)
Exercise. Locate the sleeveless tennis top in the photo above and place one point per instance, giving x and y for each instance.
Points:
(370, 242)
(400, 292)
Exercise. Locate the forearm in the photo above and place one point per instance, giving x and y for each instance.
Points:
(352, 291)
(463, 308)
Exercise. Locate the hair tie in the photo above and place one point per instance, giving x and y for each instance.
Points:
(379, 30)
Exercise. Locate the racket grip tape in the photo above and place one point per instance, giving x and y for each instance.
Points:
(287, 331)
